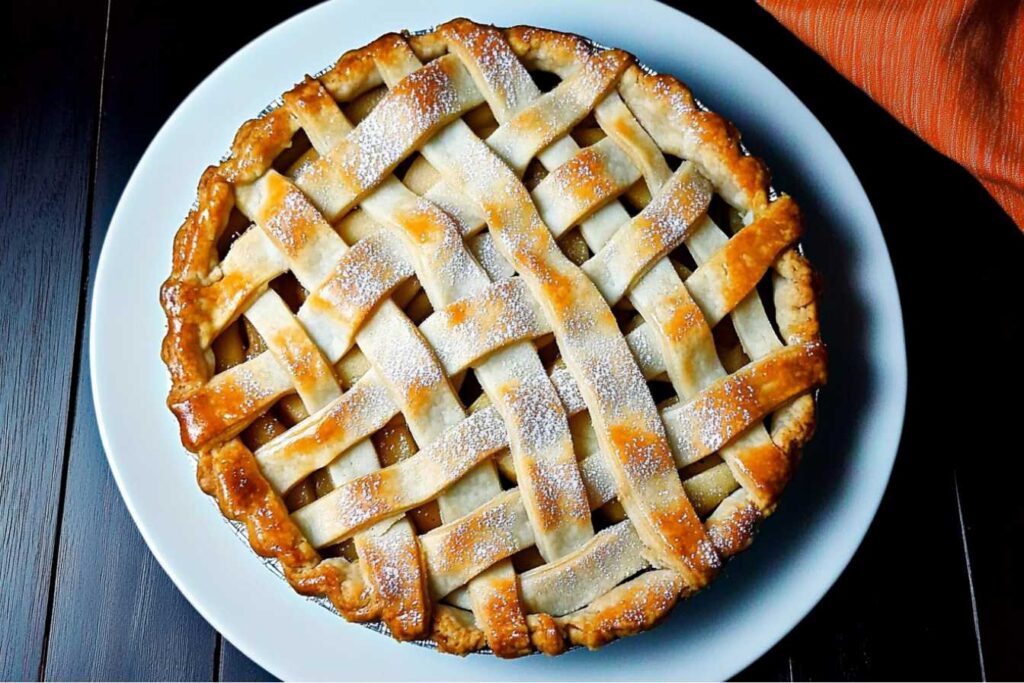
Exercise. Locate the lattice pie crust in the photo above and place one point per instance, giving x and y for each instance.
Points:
(521, 222)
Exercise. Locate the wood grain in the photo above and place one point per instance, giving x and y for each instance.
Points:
(235, 666)
(981, 435)
(143, 629)
(48, 120)
(146, 630)
(116, 615)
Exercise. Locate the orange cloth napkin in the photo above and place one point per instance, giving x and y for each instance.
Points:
(950, 70)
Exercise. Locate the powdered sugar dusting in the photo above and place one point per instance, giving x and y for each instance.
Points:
(486, 322)
(671, 215)
(598, 480)
(500, 69)
(367, 272)
(611, 556)
(490, 259)
(482, 538)
(485, 176)
(558, 492)
(362, 409)
(422, 101)
(612, 377)
(679, 100)
(713, 418)
(291, 222)
(359, 502)
(709, 557)
(584, 177)
(242, 383)
(448, 200)
(464, 445)
(539, 421)
(410, 365)
(393, 558)
(454, 265)
(643, 458)
(568, 390)
(647, 355)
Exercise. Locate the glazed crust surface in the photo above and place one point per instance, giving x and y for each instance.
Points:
(663, 111)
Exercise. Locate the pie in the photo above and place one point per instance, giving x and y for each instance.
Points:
(493, 336)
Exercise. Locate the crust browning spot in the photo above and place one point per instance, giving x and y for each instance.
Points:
(584, 177)
(455, 633)
(643, 453)
(503, 621)
(457, 312)
(633, 607)
(421, 225)
(686, 316)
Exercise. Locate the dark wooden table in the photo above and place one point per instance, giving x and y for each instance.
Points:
(935, 592)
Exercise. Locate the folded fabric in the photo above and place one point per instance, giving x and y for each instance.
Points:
(950, 70)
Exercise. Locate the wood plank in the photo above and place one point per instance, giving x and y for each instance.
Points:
(987, 461)
(902, 609)
(905, 606)
(146, 629)
(49, 92)
(235, 666)
(116, 615)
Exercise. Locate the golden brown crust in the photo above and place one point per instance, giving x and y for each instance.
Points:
(546, 635)
(502, 614)
(667, 110)
(455, 632)
(229, 471)
(633, 607)
(731, 527)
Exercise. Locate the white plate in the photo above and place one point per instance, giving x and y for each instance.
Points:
(762, 594)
